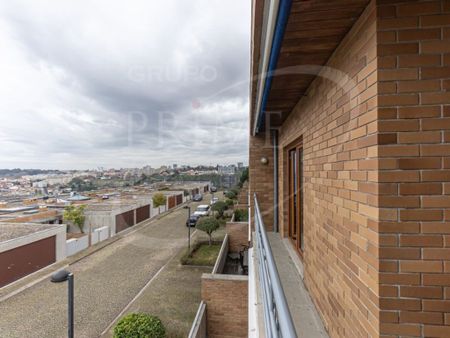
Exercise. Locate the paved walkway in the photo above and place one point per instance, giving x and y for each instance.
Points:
(306, 319)
(105, 282)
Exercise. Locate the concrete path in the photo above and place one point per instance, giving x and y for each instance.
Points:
(304, 314)
(105, 282)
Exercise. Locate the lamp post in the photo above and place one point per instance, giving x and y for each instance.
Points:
(189, 226)
(60, 277)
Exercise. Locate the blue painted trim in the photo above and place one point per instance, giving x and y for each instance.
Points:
(284, 10)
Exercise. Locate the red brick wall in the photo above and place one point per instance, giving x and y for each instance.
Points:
(414, 101)
(261, 176)
(376, 135)
(337, 122)
(237, 236)
(226, 298)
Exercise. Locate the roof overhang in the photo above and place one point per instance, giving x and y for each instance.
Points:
(291, 41)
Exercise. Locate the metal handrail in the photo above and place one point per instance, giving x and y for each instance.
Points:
(278, 319)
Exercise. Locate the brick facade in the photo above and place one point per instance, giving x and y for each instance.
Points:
(226, 298)
(414, 110)
(237, 236)
(375, 127)
(337, 123)
(261, 176)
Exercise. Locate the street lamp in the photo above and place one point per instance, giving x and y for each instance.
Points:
(189, 226)
(60, 277)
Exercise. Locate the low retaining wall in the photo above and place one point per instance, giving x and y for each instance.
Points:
(75, 245)
(238, 235)
(222, 257)
(226, 298)
(99, 235)
(198, 329)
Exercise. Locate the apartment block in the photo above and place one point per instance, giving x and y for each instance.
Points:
(350, 159)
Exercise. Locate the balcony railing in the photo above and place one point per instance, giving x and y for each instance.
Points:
(277, 317)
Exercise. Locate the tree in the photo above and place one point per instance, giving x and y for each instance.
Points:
(75, 215)
(231, 195)
(208, 225)
(220, 207)
(159, 200)
(244, 177)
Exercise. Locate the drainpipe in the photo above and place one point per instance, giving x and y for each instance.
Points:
(275, 179)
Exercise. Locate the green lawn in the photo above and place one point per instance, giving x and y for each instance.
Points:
(204, 255)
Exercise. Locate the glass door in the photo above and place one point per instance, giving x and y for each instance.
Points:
(295, 157)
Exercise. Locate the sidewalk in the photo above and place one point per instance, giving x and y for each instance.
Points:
(304, 314)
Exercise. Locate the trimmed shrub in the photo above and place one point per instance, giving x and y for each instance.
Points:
(229, 202)
(241, 215)
(139, 325)
(231, 195)
(208, 225)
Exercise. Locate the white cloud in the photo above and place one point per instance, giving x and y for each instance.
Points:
(107, 83)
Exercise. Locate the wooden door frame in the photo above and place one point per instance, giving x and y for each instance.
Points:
(297, 144)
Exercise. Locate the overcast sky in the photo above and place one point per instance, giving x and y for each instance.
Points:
(123, 83)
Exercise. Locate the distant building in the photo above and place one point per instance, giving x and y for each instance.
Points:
(226, 170)
(228, 181)
(148, 170)
(240, 165)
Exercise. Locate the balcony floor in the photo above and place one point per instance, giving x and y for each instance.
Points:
(304, 314)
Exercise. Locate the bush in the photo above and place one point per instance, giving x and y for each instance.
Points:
(229, 202)
(139, 325)
(240, 215)
(231, 195)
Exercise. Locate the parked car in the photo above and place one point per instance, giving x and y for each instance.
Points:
(213, 189)
(202, 210)
(192, 221)
(197, 198)
(214, 200)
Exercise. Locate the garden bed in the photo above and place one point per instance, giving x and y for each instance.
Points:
(202, 254)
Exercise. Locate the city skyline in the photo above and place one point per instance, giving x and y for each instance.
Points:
(170, 165)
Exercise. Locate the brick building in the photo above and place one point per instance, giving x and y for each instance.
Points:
(350, 157)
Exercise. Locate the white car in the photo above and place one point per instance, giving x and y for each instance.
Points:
(214, 200)
(202, 210)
